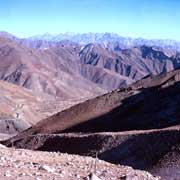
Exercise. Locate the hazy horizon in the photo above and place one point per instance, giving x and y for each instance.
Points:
(155, 19)
(77, 33)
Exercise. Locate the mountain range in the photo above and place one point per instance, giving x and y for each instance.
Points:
(95, 94)
(106, 39)
(110, 67)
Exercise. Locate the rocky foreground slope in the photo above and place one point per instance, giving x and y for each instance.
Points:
(30, 165)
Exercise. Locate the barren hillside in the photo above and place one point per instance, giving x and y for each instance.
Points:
(125, 109)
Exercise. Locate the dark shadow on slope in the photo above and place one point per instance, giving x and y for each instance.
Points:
(143, 151)
(150, 109)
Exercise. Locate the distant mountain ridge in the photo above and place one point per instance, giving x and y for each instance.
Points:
(110, 40)
(104, 67)
(107, 38)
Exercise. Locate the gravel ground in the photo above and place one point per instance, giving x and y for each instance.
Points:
(27, 165)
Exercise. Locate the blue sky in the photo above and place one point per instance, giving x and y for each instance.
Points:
(133, 18)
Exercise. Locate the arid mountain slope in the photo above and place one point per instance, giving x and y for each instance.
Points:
(102, 67)
(107, 66)
(152, 102)
(147, 108)
(18, 102)
(137, 125)
(52, 70)
(20, 108)
(134, 63)
(43, 71)
(127, 65)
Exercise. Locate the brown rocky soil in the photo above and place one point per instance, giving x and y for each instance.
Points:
(36, 165)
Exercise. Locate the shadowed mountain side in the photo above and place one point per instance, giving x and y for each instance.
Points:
(136, 107)
(145, 150)
(135, 112)
(157, 152)
(107, 79)
(134, 63)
